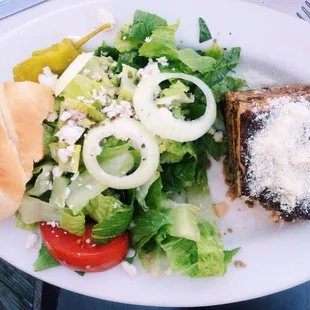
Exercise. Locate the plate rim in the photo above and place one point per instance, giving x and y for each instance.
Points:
(92, 2)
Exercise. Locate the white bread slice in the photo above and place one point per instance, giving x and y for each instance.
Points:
(26, 106)
(12, 174)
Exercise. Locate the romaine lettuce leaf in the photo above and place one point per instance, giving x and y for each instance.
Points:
(72, 163)
(113, 218)
(214, 51)
(162, 43)
(45, 260)
(34, 210)
(105, 50)
(59, 192)
(204, 32)
(123, 43)
(73, 224)
(128, 83)
(48, 138)
(196, 62)
(143, 25)
(228, 83)
(173, 151)
(22, 225)
(43, 181)
(225, 64)
(143, 191)
(215, 149)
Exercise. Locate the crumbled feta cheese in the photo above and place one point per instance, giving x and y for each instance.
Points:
(64, 154)
(67, 193)
(80, 98)
(88, 186)
(168, 272)
(218, 136)
(120, 75)
(163, 61)
(32, 240)
(57, 172)
(70, 133)
(88, 101)
(123, 109)
(104, 68)
(101, 97)
(131, 270)
(114, 64)
(110, 74)
(96, 77)
(87, 241)
(124, 38)
(52, 117)
(50, 186)
(65, 116)
(105, 17)
(148, 39)
(53, 224)
(74, 38)
(86, 71)
(48, 78)
(115, 205)
(150, 69)
(75, 176)
(211, 131)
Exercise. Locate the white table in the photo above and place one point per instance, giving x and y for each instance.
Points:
(286, 6)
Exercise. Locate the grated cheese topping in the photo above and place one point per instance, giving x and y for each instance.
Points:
(279, 154)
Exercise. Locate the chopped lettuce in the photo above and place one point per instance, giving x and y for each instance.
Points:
(195, 61)
(143, 191)
(215, 149)
(128, 83)
(143, 25)
(228, 83)
(22, 225)
(71, 164)
(59, 192)
(73, 224)
(192, 244)
(45, 260)
(162, 43)
(72, 104)
(34, 210)
(173, 151)
(226, 63)
(123, 43)
(174, 96)
(105, 50)
(204, 32)
(48, 138)
(114, 160)
(214, 51)
(112, 216)
(43, 182)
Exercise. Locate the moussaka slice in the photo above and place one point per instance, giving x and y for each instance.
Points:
(269, 149)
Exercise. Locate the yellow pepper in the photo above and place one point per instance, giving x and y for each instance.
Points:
(58, 57)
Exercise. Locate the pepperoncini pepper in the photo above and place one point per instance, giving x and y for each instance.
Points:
(58, 57)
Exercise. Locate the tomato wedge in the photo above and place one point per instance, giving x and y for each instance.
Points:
(80, 253)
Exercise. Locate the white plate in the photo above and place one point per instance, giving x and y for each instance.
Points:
(273, 45)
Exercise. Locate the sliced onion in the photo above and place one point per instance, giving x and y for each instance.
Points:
(140, 138)
(160, 121)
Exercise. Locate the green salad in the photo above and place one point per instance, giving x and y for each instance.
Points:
(126, 155)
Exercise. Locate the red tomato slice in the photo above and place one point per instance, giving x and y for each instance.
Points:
(80, 253)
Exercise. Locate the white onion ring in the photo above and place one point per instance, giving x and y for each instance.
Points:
(160, 121)
(140, 138)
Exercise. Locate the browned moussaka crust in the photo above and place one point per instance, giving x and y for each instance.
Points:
(241, 124)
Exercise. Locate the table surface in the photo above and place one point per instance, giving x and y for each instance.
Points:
(17, 289)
